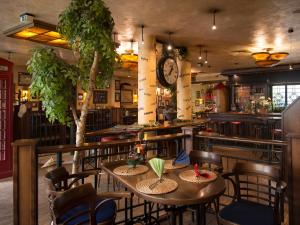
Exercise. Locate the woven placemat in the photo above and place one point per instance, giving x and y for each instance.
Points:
(166, 186)
(169, 165)
(129, 171)
(189, 175)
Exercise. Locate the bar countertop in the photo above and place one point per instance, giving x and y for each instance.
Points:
(130, 128)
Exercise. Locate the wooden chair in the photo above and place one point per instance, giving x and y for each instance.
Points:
(258, 198)
(214, 162)
(62, 196)
(59, 179)
(81, 205)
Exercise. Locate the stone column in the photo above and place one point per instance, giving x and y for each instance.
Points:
(146, 80)
(184, 90)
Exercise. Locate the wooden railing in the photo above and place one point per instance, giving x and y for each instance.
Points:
(36, 125)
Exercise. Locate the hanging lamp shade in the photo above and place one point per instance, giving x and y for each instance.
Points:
(259, 56)
(279, 55)
(266, 63)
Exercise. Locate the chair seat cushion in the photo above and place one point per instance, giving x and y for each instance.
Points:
(248, 213)
(105, 212)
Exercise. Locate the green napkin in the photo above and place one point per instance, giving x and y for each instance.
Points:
(157, 165)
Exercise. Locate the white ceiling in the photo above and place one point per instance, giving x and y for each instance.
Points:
(249, 25)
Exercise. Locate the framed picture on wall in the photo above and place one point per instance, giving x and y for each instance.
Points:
(126, 96)
(117, 84)
(117, 96)
(24, 79)
(100, 97)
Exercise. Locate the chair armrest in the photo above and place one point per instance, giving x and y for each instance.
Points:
(84, 174)
(281, 187)
(115, 195)
(81, 175)
(227, 174)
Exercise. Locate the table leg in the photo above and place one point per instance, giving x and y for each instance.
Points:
(200, 215)
(173, 215)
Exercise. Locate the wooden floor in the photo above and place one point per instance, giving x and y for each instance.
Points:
(6, 202)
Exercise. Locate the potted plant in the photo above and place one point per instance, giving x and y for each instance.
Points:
(263, 105)
(87, 25)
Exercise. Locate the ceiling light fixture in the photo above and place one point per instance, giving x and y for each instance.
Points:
(290, 31)
(214, 27)
(37, 31)
(205, 57)
(169, 45)
(265, 59)
(200, 52)
(143, 34)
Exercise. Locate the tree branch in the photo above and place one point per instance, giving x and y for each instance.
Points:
(75, 116)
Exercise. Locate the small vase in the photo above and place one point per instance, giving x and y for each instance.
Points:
(262, 111)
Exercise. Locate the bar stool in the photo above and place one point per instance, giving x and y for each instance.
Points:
(235, 127)
(277, 134)
(212, 126)
(222, 125)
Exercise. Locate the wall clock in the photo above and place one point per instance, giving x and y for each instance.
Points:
(167, 71)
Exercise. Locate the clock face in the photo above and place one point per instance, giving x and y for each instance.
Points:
(170, 71)
(167, 71)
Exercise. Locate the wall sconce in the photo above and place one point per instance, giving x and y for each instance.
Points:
(135, 98)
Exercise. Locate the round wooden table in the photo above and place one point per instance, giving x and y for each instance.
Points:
(186, 194)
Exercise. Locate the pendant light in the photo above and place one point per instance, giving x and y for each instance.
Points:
(200, 52)
(205, 57)
(131, 47)
(169, 45)
(214, 27)
(143, 34)
(290, 31)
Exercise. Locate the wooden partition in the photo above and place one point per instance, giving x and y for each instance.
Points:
(291, 130)
(25, 182)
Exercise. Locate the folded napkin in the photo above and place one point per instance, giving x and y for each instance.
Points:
(182, 158)
(157, 165)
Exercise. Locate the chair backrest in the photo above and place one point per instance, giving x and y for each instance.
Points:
(210, 158)
(257, 182)
(57, 179)
(74, 197)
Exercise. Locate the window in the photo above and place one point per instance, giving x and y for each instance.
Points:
(284, 95)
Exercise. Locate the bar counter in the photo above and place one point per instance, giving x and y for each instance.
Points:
(245, 117)
(129, 128)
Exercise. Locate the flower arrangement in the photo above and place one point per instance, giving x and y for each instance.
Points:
(262, 104)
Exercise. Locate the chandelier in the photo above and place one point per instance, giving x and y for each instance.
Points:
(265, 59)
(128, 56)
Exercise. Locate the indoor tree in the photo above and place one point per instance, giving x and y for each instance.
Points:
(88, 27)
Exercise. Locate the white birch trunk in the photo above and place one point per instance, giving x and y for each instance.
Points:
(80, 123)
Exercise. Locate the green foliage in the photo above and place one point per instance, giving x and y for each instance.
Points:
(53, 81)
(88, 26)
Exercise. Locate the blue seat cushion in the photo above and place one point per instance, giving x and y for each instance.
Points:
(105, 212)
(245, 212)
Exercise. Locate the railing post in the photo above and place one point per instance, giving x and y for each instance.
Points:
(188, 142)
(293, 172)
(25, 178)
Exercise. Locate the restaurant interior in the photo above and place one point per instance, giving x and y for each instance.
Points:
(150, 112)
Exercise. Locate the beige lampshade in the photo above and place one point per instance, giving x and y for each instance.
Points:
(279, 55)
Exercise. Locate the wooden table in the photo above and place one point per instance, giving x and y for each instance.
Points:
(186, 194)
